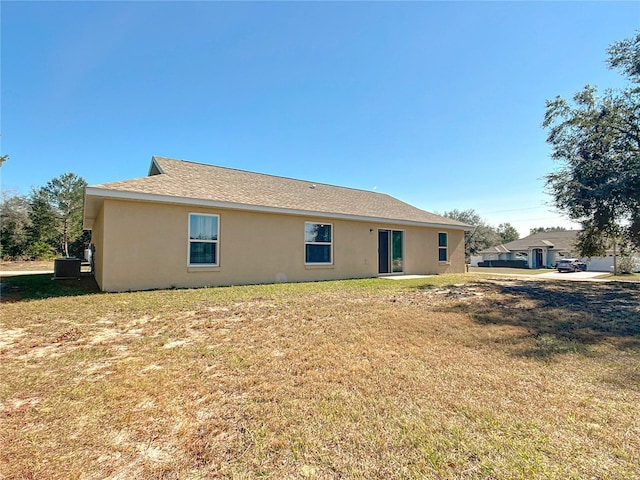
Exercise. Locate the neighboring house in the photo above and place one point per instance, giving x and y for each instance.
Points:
(192, 225)
(543, 249)
(540, 250)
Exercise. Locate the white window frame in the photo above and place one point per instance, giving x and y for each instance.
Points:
(216, 242)
(317, 243)
(445, 248)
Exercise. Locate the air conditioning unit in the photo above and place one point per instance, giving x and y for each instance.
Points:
(66, 268)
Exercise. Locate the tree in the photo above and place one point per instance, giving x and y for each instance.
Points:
(14, 224)
(508, 232)
(42, 231)
(483, 235)
(546, 229)
(46, 223)
(596, 139)
(65, 194)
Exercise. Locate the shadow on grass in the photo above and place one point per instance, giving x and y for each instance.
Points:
(36, 287)
(561, 317)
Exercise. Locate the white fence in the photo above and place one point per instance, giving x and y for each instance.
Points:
(599, 264)
(602, 264)
(475, 259)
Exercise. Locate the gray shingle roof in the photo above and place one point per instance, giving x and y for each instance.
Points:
(197, 183)
(496, 249)
(559, 240)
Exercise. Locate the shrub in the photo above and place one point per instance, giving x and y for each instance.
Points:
(40, 250)
(628, 263)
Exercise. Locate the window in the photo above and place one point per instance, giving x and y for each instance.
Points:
(317, 243)
(203, 239)
(443, 253)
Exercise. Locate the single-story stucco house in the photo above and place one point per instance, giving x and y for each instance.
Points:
(543, 249)
(540, 250)
(192, 225)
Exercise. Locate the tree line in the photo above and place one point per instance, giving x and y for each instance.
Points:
(46, 223)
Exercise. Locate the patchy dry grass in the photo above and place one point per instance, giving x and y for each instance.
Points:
(26, 265)
(629, 277)
(444, 378)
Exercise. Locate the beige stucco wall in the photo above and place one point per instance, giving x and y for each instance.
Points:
(144, 245)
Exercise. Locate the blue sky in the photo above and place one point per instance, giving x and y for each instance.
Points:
(436, 103)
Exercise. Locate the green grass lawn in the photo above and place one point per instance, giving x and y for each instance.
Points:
(448, 377)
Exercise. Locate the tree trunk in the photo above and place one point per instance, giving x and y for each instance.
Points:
(615, 257)
(65, 238)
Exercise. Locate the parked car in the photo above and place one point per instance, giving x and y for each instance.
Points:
(571, 265)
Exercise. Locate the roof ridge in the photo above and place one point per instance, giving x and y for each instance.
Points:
(271, 175)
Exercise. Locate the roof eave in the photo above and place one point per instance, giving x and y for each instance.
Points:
(90, 209)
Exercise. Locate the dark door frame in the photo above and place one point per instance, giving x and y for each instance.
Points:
(390, 251)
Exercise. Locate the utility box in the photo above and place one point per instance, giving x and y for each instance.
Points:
(66, 268)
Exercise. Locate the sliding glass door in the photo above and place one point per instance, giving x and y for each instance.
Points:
(390, 251)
